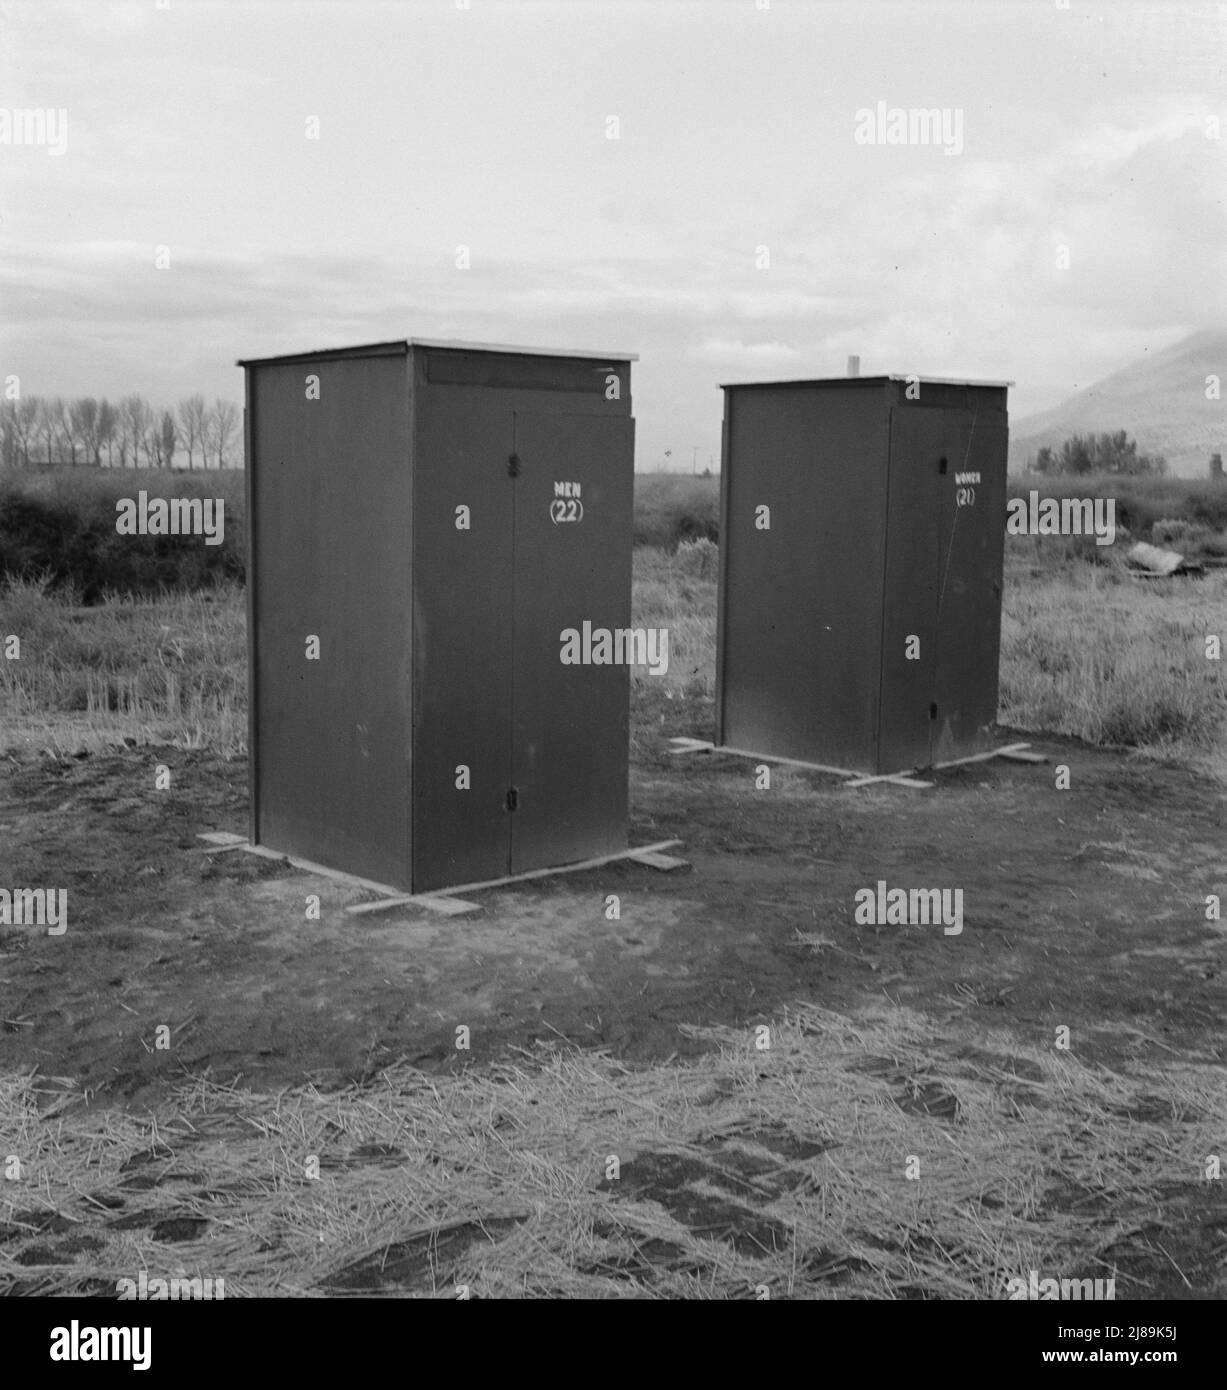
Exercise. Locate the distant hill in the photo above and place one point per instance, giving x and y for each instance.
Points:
(1159, 401)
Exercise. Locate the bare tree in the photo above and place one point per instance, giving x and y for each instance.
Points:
(108, 427)
(8, 434)
(45, 425)
(152, 442)
(22, 420)
(71, 442)
(59, 430)
(62, 431)
(25, 422)
(83, 421)
(169, 439)
(134, 416)
(223, 421)
(192, 413)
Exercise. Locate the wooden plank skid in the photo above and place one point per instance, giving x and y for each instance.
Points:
(691, 745)
(657, 861)
(896, 779)
(695, 745)
(223, 839)
(789, 762)
(307, 865)
(983, 757)
(421, 899)
(1015, 752)
(447, 907)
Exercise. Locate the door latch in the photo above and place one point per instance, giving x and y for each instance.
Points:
(513, 465)
(513, 798)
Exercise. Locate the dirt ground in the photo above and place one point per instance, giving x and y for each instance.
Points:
(1083, 908)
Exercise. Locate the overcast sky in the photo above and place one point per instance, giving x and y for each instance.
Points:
(488, 127)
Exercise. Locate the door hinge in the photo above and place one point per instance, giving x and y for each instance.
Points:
(513, 798)
(513, 465)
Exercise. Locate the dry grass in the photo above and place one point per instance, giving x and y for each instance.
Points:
(677, 591)
(412, 1170)
(1088, 651)
(167, 670)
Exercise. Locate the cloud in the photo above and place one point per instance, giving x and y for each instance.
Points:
(725, 350)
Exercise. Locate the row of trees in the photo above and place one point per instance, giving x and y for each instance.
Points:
(1100, 453)
(129, 433)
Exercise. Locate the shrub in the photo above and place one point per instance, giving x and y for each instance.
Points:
(698, 559)
(62, 529)
(673, 508)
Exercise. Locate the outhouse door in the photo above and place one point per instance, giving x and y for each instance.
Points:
(573, 501)
(519, 761)
(942, 598)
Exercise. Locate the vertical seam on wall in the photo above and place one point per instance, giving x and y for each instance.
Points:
(890, 468)
(511, 674)
(249, 490)
(945, 576)
(411, 463)
(724, 557)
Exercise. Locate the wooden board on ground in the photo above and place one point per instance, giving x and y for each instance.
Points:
(445, 907)
(219, 841)
(1001, 752)
(897, 779)
(666, 862)
(441, 900)
(442, 894)
(1013, 752)
(219, 845)
(696, 745)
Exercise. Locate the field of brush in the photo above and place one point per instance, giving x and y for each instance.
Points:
(134, 643)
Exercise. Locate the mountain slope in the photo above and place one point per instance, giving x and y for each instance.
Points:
(1160, 401)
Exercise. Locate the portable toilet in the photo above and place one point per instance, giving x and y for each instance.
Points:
(862, 526)
(425, 520)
